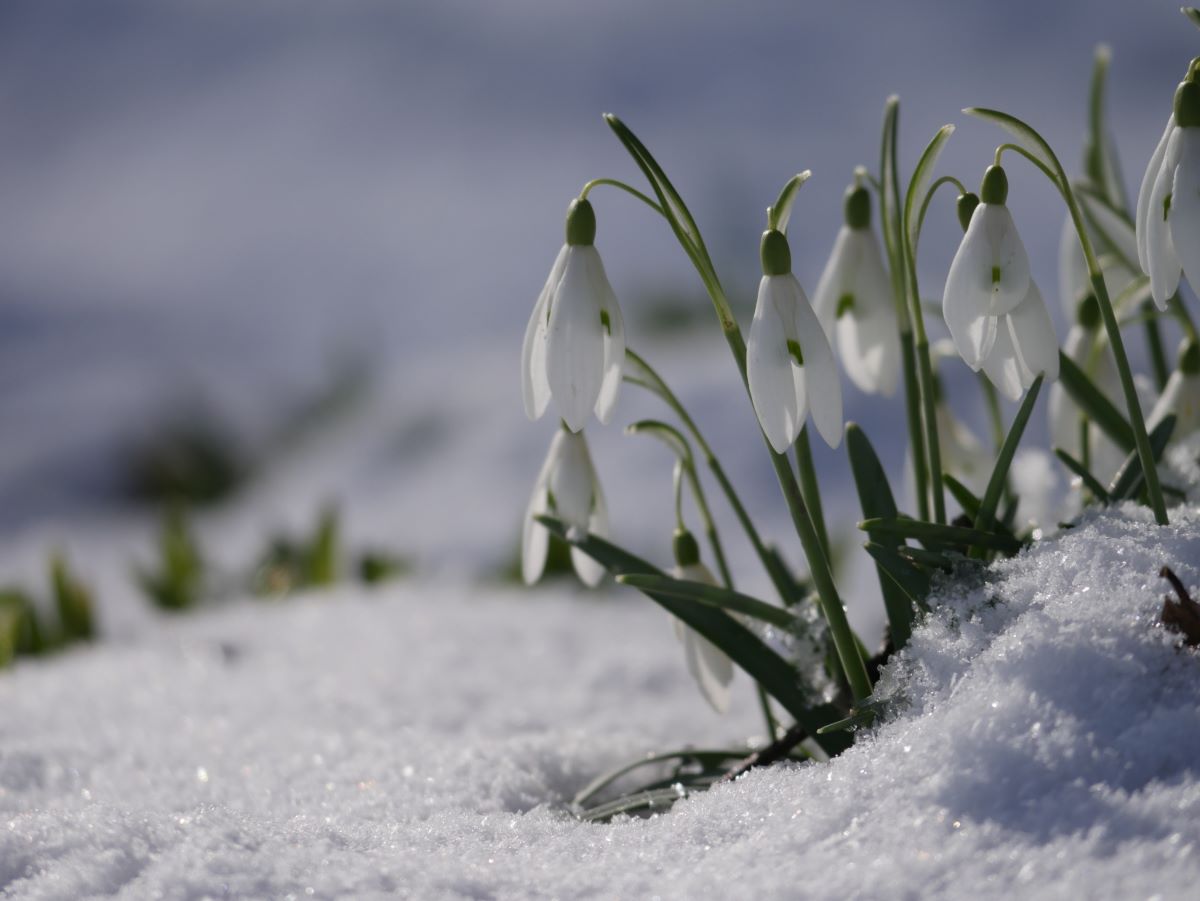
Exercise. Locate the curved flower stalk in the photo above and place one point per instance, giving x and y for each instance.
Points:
(854, 302)
(709, 665)
(1168, 207)
(992, 306)
(789, 364)
(1087, 348)
(1181, 396)
(574, 346)
(566, 487)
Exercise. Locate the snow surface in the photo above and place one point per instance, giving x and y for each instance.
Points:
(421, 740)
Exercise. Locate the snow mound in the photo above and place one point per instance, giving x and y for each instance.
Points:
(1041, 743)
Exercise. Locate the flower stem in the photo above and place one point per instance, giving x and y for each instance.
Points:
(890, 214)
(810, 488)
(617, 183)
(1154, 345)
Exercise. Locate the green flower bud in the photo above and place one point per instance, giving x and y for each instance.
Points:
(1187, 104)
(775, 253)
(995, 186)
(966, 208)
(687, 552)
(581, 223)
(858, 207)
(1088, 313)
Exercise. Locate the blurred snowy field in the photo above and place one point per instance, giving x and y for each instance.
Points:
(210, 208)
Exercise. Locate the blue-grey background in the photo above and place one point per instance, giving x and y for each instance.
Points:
(221, 200)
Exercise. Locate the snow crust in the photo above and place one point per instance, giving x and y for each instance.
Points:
(421, 741)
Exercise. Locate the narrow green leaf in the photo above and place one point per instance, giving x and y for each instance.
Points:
(1130, 478)
(714, 596)
(659, 799)
(850, 723)
(1192, 13)
(744, 648)
(1100, 159)
(677, 213)
(943, 560)
(920, 179)
(705, 758)
(1093, 484)
(780, 212)
(877, 501)
(933, 532)
(911, 582)
(965, 496)
(1098, 408)
(986, 517)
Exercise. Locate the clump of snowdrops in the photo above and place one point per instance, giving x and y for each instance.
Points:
(1120, 265)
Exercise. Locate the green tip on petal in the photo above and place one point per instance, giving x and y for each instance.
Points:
(687, 552)
(775, 253)
(994, 188)
(858, 207)
(1187, 104)
(1088, 313)
(1189, 360)
(966, 208)
(581, 223)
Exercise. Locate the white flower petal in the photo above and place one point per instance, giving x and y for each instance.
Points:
(1072, 269)
(1005, 254)
(710, 667)
(535, 389)
(1002, 366)
(571, 479)
(1185, 206)
(838, 278)
(589, 571)
(817, 383)
(769, 367)
(1160, 251)
(967, 303)
(1143, 203)
(535, 538)
(869, 345)
(1113, 226)
(1034, 338)
(614, 349)
(1181, 397)
(575, 339)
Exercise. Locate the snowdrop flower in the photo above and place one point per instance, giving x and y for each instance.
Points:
(1086, 346)
(574, 347)
(567, 488)
(709, 665)
(789, 364)
(854, 300)
(992, 306)
(1168, 207)
(1181, 394)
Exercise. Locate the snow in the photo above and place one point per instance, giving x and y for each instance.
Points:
(422, 740)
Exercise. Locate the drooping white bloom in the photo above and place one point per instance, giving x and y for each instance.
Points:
(854, 302)
(1181, 395)
(574, 346)
(1168, 207)
(566, 487)
(992, 306)
(789, 364)
(709, 665)
(1087, 347)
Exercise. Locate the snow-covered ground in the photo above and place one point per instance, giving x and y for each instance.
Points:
(422, 740)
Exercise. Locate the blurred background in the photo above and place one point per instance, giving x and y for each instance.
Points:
(295, 244)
